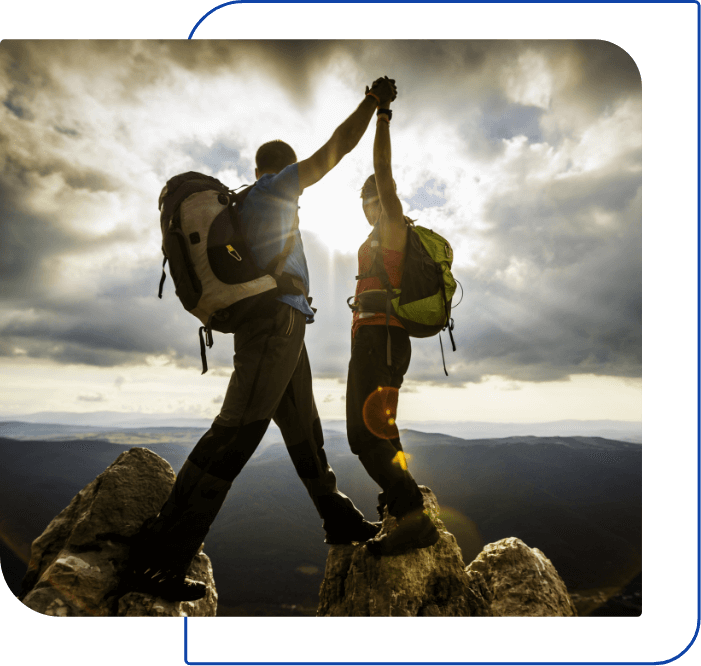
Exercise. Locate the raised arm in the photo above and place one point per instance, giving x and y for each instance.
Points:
(392, 226)
(347, 134)
(382, 162)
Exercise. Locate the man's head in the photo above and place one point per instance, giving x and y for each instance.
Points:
(273, 157)
(371, 199)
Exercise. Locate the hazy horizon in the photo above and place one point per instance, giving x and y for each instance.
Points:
(610, 429)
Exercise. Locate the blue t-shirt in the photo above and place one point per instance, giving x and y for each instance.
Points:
(267, 215)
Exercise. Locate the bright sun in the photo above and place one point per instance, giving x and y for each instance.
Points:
(333, 212)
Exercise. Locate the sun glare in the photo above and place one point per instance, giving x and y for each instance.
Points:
(332, 211)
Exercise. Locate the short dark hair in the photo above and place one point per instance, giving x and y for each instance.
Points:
(275, 156)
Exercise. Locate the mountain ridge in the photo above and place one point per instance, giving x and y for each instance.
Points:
(611, 429)
(577, 499)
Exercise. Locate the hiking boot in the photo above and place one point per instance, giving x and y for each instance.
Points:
(359, 532)
(415, 530)
(170, 587)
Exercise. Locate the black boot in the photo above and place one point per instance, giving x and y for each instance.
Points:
(343, 522)
(358, 532)
(415, 530)
(166, 580)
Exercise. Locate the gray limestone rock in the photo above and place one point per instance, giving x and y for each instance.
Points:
(76, 564)
(507, 578)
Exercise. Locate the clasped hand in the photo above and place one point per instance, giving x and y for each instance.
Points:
(384, 88)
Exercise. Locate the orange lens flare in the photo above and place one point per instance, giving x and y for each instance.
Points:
(380, 412)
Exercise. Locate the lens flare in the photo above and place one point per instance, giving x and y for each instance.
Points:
(400, 459)
(380, 412)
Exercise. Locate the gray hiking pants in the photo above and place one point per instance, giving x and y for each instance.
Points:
(271, 380)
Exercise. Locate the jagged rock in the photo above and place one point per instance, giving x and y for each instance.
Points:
(425, 582)
(521, 581)
(507, 578)
(76, 564)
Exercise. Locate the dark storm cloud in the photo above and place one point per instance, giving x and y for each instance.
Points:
(557, 292)
(577, 308)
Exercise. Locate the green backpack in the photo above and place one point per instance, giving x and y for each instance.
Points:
(423, 301)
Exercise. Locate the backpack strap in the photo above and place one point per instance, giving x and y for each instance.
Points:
(163, 278)
(449, 323)
(289, 282)
(205, 338)
(289, 245)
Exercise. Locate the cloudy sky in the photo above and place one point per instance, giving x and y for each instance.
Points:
(526, 155)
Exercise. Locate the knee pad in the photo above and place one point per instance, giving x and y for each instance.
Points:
(304, 460)
(212, 445)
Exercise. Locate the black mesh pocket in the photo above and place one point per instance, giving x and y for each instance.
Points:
(227, 253)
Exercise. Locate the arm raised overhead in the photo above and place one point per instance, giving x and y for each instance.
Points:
(347, 134)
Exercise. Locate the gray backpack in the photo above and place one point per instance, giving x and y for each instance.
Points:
(215, 276)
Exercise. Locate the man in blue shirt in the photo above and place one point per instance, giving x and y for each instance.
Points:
(271, 379)
(268, 216)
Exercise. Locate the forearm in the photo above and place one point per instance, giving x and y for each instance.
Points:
(351, 130)
(382, 154)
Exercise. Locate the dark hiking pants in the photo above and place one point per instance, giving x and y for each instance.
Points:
(271, 380)
(371, 409)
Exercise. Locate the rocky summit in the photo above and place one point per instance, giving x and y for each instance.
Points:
(506, 579)
(76, 564)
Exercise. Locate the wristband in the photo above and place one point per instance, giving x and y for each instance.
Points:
(386, 112)
(372, 94)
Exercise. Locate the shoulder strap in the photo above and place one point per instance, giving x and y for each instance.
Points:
(275, 266)
(289, 244)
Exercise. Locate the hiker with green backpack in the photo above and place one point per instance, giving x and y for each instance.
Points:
(239, 266)
(404, 289)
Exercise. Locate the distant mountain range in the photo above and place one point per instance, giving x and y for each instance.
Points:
(578, 499)
(625, 431)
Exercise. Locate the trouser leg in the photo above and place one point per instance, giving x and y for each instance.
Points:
(175, 536)
(265, 357)
(299, 423)
(371, 406)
